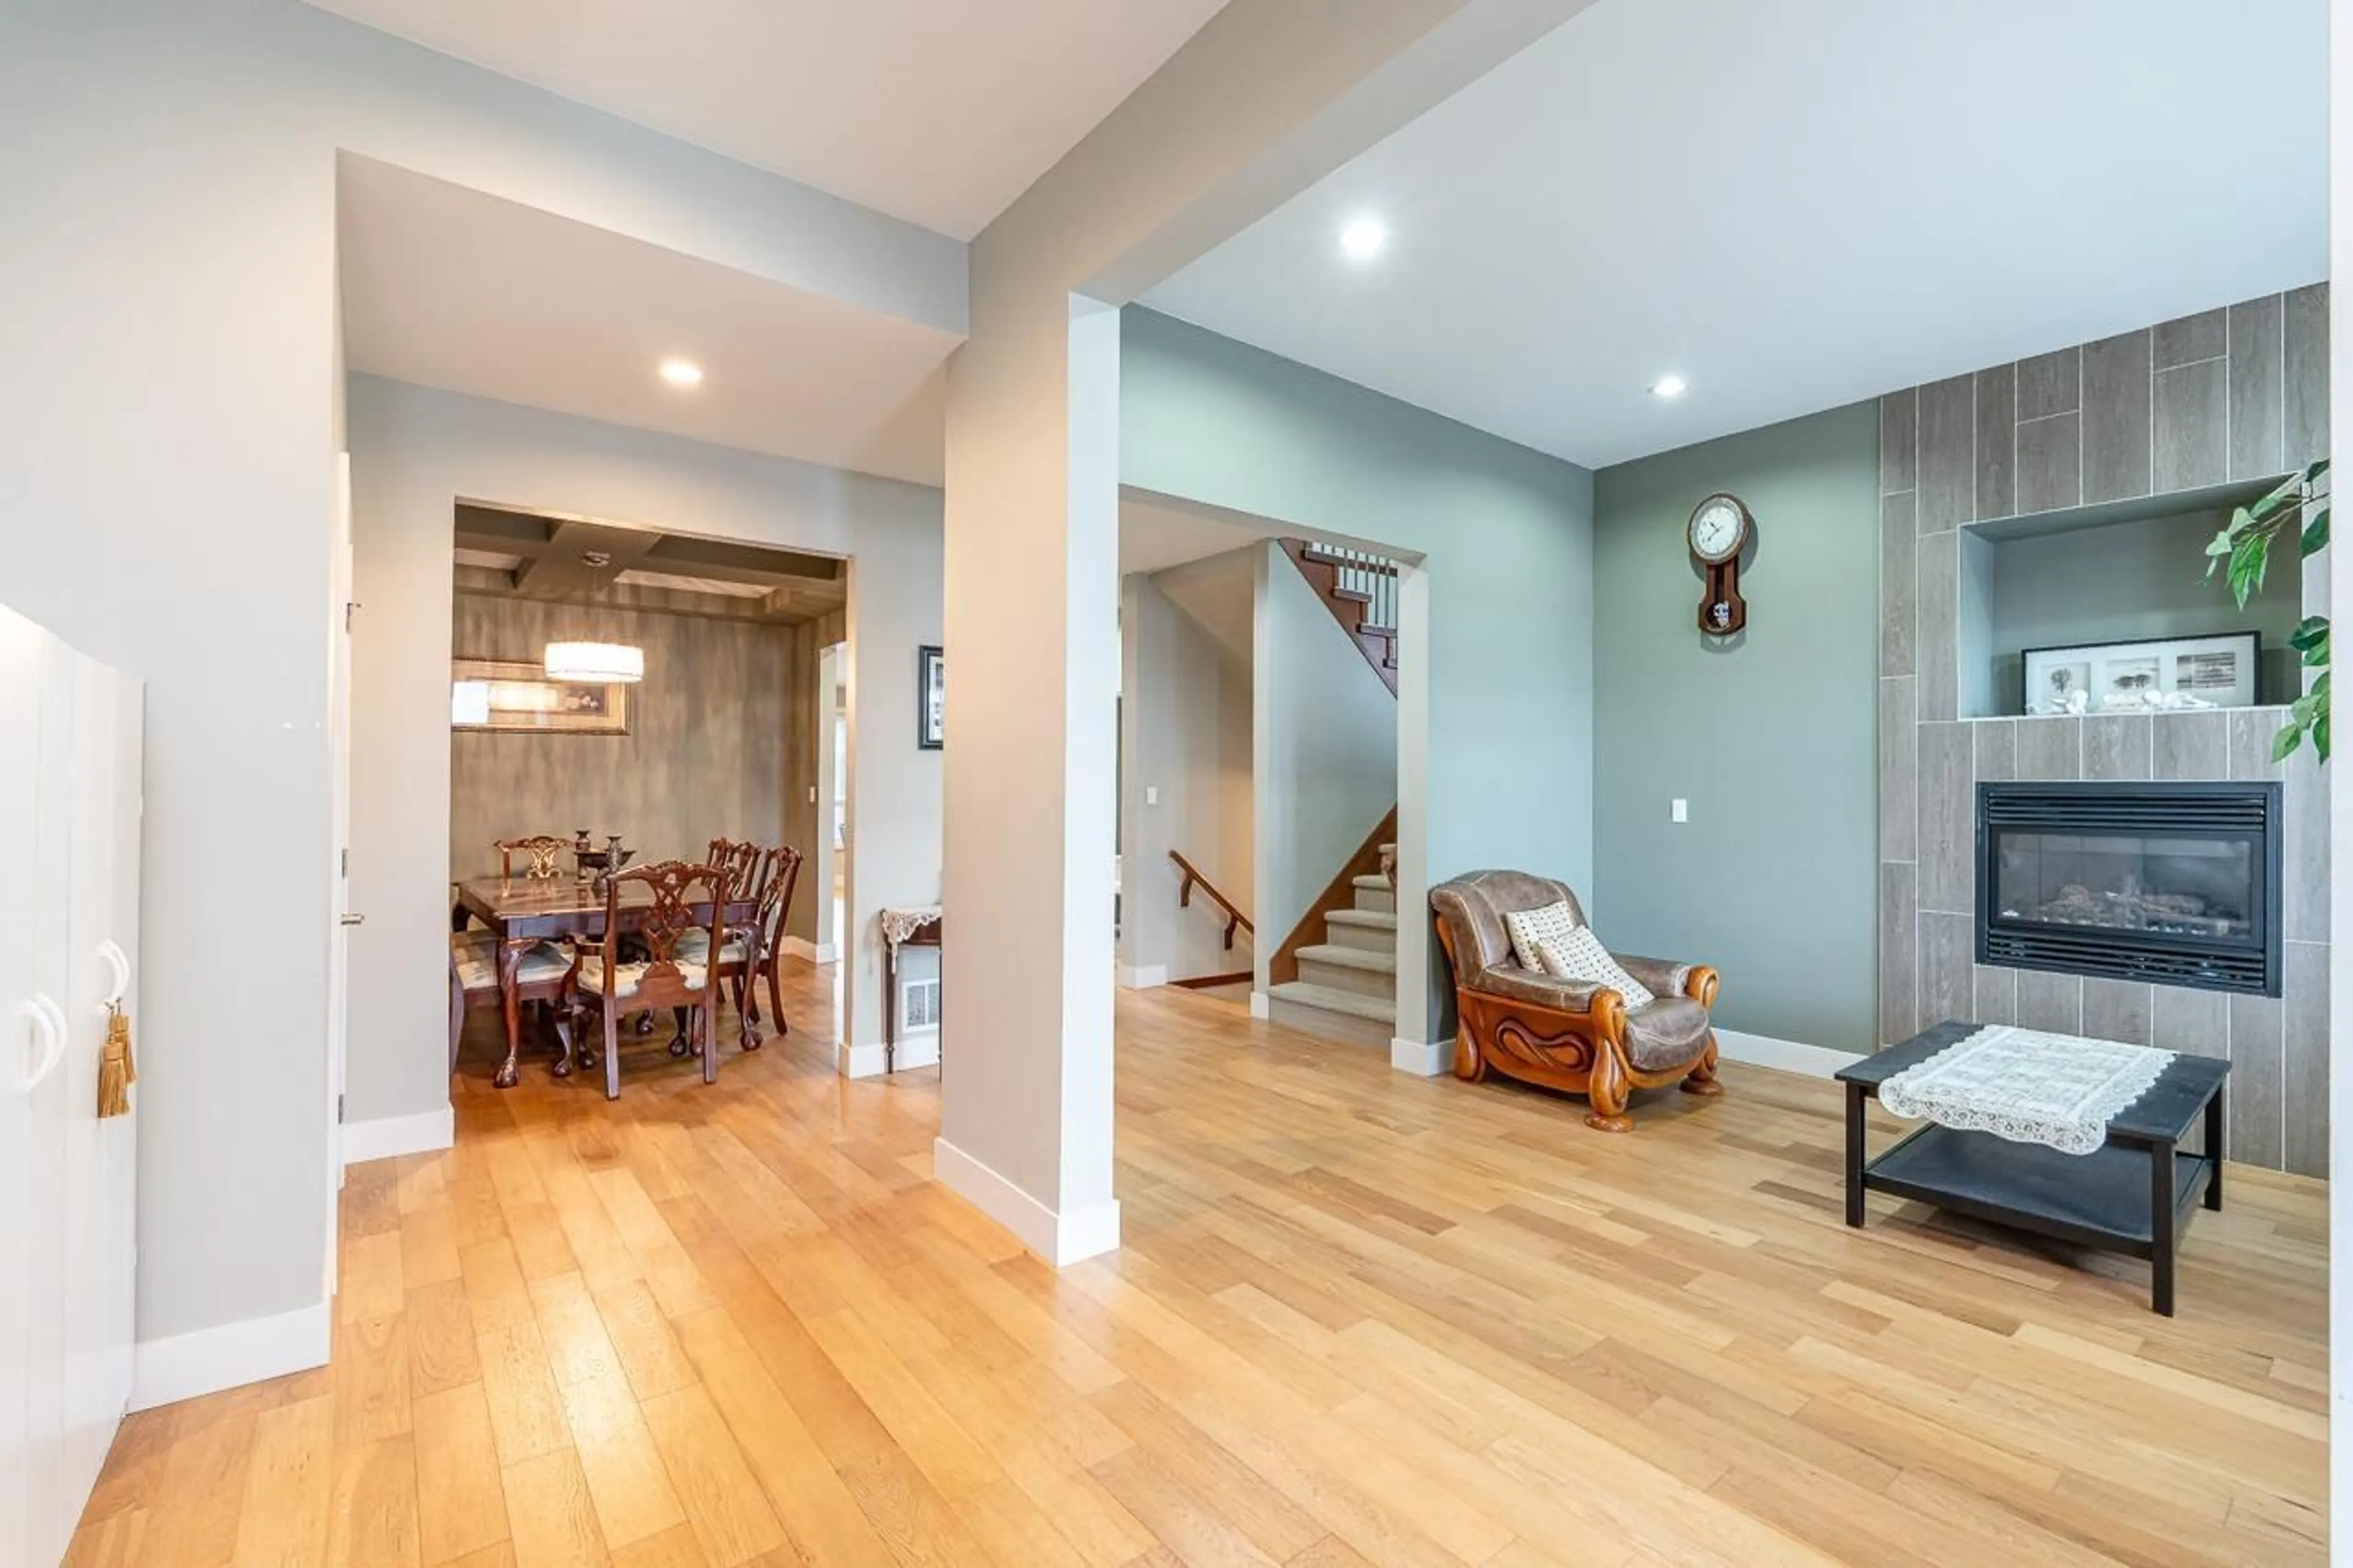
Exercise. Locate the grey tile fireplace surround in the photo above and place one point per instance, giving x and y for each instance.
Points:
(2231, 394)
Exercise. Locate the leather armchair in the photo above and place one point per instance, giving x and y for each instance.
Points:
(1564, 1034)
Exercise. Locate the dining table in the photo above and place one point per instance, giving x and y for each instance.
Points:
(521, 911)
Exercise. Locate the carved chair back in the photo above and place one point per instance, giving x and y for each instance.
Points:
(675, 888)
(543, 851)
(784, 869)
(739, 860)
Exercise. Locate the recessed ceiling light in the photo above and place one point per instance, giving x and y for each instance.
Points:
(1364, 239)
(1669, 386)
(682, 373)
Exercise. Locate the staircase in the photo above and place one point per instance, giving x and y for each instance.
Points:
(1346, 987)
(1361, 591)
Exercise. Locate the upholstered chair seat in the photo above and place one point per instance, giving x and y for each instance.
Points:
(694, 946)
(629, 978)
(1580, 1036)
(475, 956)
(1666, 1035)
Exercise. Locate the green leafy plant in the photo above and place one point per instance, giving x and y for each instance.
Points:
(2242, 552)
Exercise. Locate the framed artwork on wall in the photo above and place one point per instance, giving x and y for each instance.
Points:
(512, 697)
(2150, 673)
(931, 698)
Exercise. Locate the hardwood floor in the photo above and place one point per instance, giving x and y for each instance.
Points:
(1360, 1318)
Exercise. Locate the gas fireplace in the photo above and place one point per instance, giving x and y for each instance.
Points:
(2177, 884)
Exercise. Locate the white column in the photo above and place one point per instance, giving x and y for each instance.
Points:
(1033, 656)
(1147, 920)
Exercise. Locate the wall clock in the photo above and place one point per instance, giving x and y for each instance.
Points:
(1721, 528)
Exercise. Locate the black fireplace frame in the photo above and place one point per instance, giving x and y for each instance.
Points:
(2249, 809)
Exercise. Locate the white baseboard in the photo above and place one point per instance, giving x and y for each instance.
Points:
(166, 1372)
(867, 1062)
(1145, 977)
(1788, 1055)
(1061, 1239)
(385, 1136)
(816, 952)
(1422, 1060)
(1261, 1007)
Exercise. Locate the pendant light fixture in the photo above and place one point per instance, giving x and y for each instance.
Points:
(595, 663)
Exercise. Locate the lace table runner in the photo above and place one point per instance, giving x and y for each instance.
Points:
(898, 925)
(2027, 1086)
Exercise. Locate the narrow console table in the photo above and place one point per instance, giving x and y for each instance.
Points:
(901, 928)
(2134, 1195)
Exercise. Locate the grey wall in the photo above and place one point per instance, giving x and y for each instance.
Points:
(2128, 580)
(704, 757)
(1506, 536)
(168, 424)
(1185, 723)
(1327, 748)
(1767, 736)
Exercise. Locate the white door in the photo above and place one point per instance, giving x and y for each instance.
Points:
(89, 985)
(119, 1138)
(339, 860)
(24, 1032)
(43, 1185)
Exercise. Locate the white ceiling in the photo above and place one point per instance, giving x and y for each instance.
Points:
(450, 287)
(938, 112)
(1795, 204)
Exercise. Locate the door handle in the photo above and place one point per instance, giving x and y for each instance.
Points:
(355, 919)
(119, 961)
(51, 1025)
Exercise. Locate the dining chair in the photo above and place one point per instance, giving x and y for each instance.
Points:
(545, 850)
(539, 972)
(783, 870)
(602, 981)
(765, 877)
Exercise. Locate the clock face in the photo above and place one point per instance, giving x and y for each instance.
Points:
(1718, 529)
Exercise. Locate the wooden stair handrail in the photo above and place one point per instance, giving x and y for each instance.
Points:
(1235, 918)
(1351, 607)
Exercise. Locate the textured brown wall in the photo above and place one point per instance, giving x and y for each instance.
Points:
(706, 755)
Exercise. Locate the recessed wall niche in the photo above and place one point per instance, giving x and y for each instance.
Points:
(2124, 571)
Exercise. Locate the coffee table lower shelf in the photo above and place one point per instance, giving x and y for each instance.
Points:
(2102, 1199)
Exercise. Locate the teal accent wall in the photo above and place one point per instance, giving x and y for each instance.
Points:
(1505, 537)
(1769, 735)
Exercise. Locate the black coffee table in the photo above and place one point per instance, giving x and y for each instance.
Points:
(2133, 1196)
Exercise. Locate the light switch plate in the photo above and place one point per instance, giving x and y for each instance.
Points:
(1152, 794)
(1680, 811)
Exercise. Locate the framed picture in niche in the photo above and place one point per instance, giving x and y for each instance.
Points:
(931, 698)
(2150, 675)
(511, 698)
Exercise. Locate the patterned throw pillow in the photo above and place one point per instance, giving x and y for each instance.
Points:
(1580, 956)
(1529, 927)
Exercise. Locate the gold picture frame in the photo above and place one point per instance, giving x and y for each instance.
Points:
(509, 698)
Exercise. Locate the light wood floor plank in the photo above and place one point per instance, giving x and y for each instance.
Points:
(1358, 1318)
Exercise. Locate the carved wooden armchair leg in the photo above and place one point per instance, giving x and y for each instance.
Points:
(1702, 1078)
(1609, 1090)
(1469, 1062)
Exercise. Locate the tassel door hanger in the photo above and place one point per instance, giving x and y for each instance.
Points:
(117, 1071)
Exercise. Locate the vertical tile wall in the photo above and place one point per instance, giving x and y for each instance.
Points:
(2238, 393)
